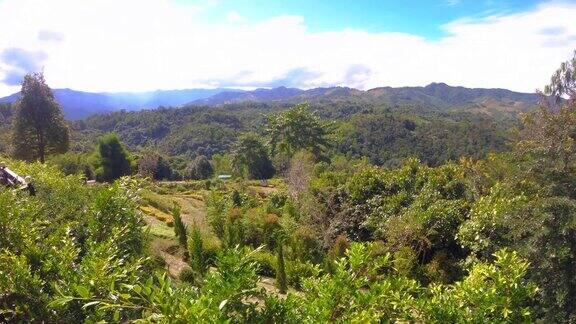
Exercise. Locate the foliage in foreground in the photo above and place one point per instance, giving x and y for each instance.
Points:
(362, 289)
(68, 239)
(77, 253)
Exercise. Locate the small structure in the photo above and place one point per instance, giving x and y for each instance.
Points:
(10, 178)
(224, 177)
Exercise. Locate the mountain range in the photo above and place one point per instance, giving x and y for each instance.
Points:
(439, 96)
(78, 104)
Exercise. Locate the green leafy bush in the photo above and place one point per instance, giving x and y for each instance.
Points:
(266, 262)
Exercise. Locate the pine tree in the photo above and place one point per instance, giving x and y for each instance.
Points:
(39, 127)
(179, 227)
(281, 270)
(196, 251)
(113, 159)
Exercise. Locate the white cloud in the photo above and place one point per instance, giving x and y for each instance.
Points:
(451, 3)
(131, 45)
(235, 17)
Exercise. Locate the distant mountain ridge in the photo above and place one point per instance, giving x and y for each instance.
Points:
(434, 95)
(78, 104)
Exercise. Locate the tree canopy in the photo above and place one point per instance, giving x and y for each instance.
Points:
(297, 129)
(251, 155)
(39, 128)
(200, 168)
(113, 160)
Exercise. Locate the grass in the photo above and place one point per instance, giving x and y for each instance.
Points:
(160, 202)
(161, 230)
(158, 214)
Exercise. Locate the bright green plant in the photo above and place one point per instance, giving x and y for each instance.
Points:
(196, 250)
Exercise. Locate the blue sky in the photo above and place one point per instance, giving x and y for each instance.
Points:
(143, 45)
(424, 18)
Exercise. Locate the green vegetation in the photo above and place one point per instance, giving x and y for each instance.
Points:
(113, 160)
(154, 166)
(281, 270)
(180, 229)
(200, 168)
(39, 126)
(251, 158)
(337, 236)
(297, 129)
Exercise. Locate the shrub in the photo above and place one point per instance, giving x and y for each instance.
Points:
(72, 239)
(339, 248)
(211, 246)
(266, 263)
(297, 272)
(275, 203)
(306, 245)
(271, 228)
(234, 228)
(216, 206)
(73, 163)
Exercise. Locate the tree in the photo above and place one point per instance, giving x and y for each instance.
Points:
(39, 127)
(200, 168)
(154, 165)
(112, 159)
(281, 271)
(180, 229)
(196, 252)
(251, 155)
(563, 81)
(297, 129)
(531, 207)
(222, 163)
(299, 175)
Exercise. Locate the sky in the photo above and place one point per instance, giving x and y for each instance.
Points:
(144, 45)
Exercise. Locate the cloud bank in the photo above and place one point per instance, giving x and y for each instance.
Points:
(105, 45)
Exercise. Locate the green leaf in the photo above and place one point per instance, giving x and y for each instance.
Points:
(90, 304)
(62, 301)
(116, 316)
(83, 291)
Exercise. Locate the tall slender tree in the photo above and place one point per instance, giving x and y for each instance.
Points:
(39, 127)
(281, 270)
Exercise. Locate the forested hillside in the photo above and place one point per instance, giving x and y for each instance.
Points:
(386, 135)
(327, 211)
